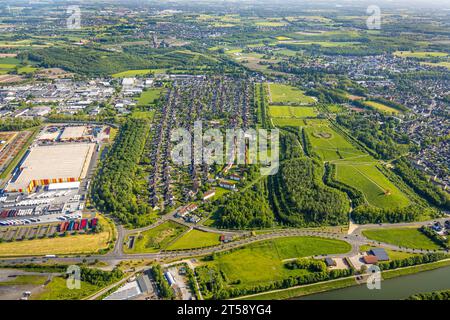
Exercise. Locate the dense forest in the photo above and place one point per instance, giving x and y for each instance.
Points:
(248, 209)
(113, 188)
(299, 196)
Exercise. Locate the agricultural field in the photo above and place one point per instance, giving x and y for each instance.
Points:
(155, 239)
(263, 261)
(281, 94)
(195, 239)
(403, 237)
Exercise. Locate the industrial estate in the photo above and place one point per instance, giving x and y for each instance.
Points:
(93, 93)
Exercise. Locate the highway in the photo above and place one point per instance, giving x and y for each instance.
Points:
(355, 239)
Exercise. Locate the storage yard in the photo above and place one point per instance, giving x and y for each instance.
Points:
(51, 179)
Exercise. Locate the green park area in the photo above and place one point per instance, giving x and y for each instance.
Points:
(281, 94)
(155, 239)
(137, 73)
(195, 239)
(263, 262)
(404, 237)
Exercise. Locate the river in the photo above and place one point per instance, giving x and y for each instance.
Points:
(391, 289)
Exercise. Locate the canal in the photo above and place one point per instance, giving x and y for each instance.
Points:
(391, 289)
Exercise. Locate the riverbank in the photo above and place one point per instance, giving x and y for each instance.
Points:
(300, 291)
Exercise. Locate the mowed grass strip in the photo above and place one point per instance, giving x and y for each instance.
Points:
(285, 94)
(264, 261)
(195, 239)
(377, 188)
(403, 237)
(156, 239)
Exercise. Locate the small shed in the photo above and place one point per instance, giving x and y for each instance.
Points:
(380, 253)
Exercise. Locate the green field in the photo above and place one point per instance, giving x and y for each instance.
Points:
(195, 239)
(136, 73)
(330, 145)
(149, 97)
(292, 112)
(353, 166)
(24, 280)
(378, 190)
(263, 261)
(404, 237)
(282, 94)
(57, 290)
(26, 69)
(381, 107)
(420, 54)
(156, 239)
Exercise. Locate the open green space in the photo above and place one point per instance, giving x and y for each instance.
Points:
(136, 73)
(156, 239)
(149, 97)
(292, 112)
(263, 261)
(381, 107)
(195, 239)
(378, 190)
(285, 94)
(403, 237)
(24, 280)
(57, 290)
(420, 54)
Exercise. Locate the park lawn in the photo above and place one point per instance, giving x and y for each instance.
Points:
(57, 290)
(149, 97)
(420, 54)
(24, 280)
(156, 239)
(404, 237)
(135, 73)
(285, 94)
(378, 190)
(381, 107)
(330, 145)
(76, 244)
(195, 239)
(292, 112)
(263, 261)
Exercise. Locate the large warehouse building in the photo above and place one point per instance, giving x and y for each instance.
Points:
(52, 164)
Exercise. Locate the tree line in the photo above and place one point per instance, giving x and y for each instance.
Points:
(113, 189)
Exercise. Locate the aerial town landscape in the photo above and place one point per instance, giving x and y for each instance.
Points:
(224, 150)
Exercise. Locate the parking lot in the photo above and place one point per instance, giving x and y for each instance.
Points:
(40, 207)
